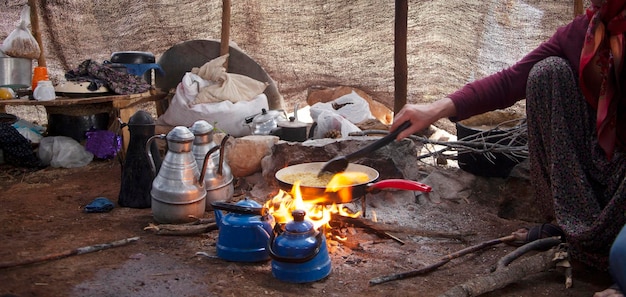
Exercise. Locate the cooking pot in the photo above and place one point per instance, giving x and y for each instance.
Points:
(347, 193)
(291, 130)
(490, 127)
(15, 73)
(244, 231)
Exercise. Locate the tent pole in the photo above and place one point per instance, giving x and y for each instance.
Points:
(400, 59)
(34, 22)
(225, 41)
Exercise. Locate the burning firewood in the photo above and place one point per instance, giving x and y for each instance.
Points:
(384, 231)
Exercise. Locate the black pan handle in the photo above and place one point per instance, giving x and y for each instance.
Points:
(238, 208)
(378, 143)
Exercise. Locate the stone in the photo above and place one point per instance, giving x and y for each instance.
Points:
(244, 154)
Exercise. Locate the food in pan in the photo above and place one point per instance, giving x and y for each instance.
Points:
(311, 179)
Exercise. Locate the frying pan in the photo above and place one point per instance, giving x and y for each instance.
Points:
(345, 194)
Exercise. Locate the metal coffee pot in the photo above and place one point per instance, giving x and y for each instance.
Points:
(299, 253)
(178, 193)
(243, 231)
(136, 173)
(218, 179)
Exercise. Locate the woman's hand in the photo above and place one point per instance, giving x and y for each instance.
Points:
(422, 115)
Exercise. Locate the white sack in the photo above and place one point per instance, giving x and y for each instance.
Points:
(226, 115)
(225, 86)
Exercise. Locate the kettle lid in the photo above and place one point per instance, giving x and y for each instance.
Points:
(292, 123)
(180, 134)
(247, 202)
(266, 116)
(201, 127)
(299, 224)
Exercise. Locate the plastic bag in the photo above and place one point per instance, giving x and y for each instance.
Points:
(329, 121)
(20, 43)
(226, 115)
(63, 151)
(350, 106)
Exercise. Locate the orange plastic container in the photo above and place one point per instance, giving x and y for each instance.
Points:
(39, 73)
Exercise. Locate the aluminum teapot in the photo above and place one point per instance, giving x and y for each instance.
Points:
(264, 122)
(177, 192)
(218, 179)
(244, 231)
(299, 253)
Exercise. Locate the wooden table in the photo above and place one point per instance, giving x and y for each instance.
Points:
(123, 105)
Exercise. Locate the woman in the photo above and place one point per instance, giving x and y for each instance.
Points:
(576, 118)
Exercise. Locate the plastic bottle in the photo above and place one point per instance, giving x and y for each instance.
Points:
(44, 91)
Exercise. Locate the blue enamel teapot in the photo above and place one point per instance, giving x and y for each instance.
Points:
(244, 231)
(299, 253)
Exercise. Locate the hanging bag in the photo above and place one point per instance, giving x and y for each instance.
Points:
(21, 43)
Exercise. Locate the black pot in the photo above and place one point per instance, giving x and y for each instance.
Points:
(498, 165)
(291, 130)
(76, 126)
(132, 57)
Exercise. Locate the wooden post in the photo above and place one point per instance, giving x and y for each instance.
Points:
(34, 23)
(578, 7)
(400, 60)
(225, 41)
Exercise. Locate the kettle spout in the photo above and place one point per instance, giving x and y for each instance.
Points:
(207, 157)
(218, 217)
(220, 167)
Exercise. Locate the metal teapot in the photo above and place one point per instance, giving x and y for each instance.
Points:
(243, 232)
(299, 254)
(218, 179)
(264, 122)
(177, 192)
(136, 178)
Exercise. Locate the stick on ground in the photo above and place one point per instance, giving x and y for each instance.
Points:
(67, 253)
(441, 262)
(506, 275)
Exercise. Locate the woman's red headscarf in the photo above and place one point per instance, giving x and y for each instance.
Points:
(601, 65)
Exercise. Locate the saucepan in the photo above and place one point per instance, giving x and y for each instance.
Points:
(344, 194)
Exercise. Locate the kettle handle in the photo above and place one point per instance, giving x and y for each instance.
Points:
(318, 245)
(149, 152)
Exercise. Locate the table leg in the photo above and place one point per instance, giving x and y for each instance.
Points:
(125, 114)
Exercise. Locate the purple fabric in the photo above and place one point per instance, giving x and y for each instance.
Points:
(103, 144)
(504, 88)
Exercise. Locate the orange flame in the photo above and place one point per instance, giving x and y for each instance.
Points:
(281, 205)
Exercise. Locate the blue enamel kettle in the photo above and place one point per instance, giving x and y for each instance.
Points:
(244, 231)
(299, 253)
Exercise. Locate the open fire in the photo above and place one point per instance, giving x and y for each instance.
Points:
(318, 209)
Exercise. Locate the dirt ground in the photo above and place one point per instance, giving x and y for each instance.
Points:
(41, 214)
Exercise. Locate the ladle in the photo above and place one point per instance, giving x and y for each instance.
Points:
(340, 163)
